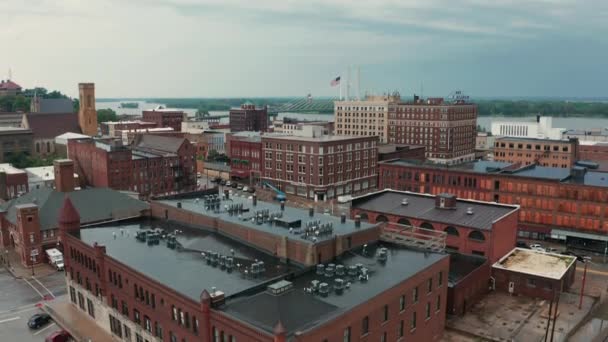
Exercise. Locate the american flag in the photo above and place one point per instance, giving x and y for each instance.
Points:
(335, 81)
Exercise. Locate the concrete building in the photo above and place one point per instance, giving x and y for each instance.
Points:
(590, 135)
(87, 116)
(9, 88)
(112, 128)
(13, 182)
(320, 167)
(44, 176)
(153, 165)
(484, 142)
(30, 222)
(393, 151)
(15, 140)
(394, 293)
(245, 152)
(165, 117)
(543, 152)
(534, 274)
(556, 203)
(290, 126)
(367, 117)
(249, 118)
(196, 126)
(541, 128)
(445, 128)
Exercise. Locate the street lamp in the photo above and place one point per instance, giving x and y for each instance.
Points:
(33, 259)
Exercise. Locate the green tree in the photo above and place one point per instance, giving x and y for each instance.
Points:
(104, 115)
(21, 160)
(76, 104)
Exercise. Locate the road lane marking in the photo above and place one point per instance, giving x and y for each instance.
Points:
(35, 289)
(46, 288)
(10, 319)
(41, 330)
(17, 308)
(16, 311)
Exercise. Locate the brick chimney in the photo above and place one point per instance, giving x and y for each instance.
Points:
(445, 201)
(64, 175)
(3, 186)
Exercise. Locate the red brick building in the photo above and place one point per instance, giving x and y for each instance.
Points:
(596, 152)
(392, 151)
(534, 274)
(181, 295)
(447, 129)
(563, 204)
(13, 182)
(165, 118)
(543, 152)
(29, 223)
(320, 167)
(245, 151)
(153, 165)
(249, 118)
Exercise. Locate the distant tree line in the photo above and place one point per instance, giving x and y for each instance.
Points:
(22, 102)
(544, 107)
(22, 160)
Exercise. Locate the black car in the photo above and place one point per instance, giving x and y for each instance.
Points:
(222, 182)
(579, 257)
(38, 320)
(521, 244)
(234, 185)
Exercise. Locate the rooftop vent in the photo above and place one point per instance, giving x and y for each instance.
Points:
(280, 287)
(469, 211)
(404, 202)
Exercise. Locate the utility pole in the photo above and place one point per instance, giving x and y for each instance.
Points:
(549, 317)
(580, 303)
(555, 315)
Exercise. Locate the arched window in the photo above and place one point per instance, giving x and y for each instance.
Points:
(48, 146)
(404, 221)
(477, 235)
(451, 231)
(37, 147)
(381, 218)
(364, 216)
(427, 225)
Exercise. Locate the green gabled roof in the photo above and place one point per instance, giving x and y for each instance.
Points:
(93, 205)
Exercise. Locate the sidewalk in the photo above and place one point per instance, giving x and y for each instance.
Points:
(19, 271)
(76, 322)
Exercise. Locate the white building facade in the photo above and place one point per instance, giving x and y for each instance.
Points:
(542, 128)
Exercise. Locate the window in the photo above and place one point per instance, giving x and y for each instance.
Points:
(415, 295)
(147, 324)
(383, 337)
(158, 330)
(346, 337)
(413, 323)
(429, 285)
(440, 279)
(428, 310)
(531, 282)
(136, 317)
(438, 303)
(385, 316)
(365, 325)
(90, 308)
(125, 309)
(401, 303)
(400, 331)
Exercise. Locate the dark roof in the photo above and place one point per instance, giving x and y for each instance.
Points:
(6, 85)
(300, 311)
(185, 271)
(51, 125)
(159, 143)
(93, 205)
(514, 169)
(421, 206)
(55, 106)
(462, 265)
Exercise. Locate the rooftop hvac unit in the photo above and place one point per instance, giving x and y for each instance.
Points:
(404, 202)
(469, 211)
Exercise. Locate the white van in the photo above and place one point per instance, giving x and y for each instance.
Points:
(55, 258)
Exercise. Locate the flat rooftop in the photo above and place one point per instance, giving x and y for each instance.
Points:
(300, 310)
(590, 178)
(422, 206)
(184, 271)
(10, 169)
(323, 138)
(541, 264)
(535, 140)
(289, 215)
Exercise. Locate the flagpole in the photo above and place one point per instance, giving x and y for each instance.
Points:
(340, 86)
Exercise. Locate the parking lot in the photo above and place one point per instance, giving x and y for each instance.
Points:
(19, 300)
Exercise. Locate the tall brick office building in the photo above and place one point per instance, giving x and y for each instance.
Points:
(320, 167)
(165, 118)
(558, 203)
(153, 165)
(244, 150)
(249, 118)
(543, 152)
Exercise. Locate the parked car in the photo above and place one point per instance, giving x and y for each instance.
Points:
(251, 189)
(58, 336)
(552, 250)
(198, 175)
(537, 247)
(245, 189)
(581, 258)
(239, 186)
(233, 185)
(228, 183)
(223, 182)
(38, 320)
(521, 244)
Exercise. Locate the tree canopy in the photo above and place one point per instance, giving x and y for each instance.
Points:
(104, 115)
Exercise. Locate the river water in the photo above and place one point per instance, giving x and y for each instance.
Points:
(483, 121)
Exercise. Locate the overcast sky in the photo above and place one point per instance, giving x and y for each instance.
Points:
(251, 48)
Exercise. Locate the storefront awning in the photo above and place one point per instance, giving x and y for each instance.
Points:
(562, 234)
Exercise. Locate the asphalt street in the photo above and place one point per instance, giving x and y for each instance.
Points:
(19, 300)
